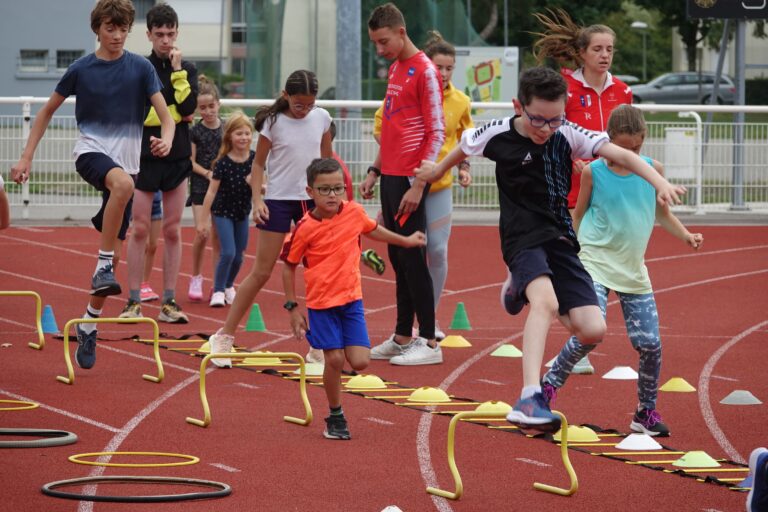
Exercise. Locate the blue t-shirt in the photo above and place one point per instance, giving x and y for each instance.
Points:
(112, 102)
(233, 198)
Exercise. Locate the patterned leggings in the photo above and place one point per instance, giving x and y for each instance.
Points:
(642, 323)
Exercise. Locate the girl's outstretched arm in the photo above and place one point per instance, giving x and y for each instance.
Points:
(672, 224)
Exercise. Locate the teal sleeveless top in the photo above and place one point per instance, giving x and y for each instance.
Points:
(615, 230)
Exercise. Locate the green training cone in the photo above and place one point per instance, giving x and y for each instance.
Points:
(460, 320)
(255, 320)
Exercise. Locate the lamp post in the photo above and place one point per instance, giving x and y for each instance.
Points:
(643, 28)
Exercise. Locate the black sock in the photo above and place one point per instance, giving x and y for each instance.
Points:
(336, 411)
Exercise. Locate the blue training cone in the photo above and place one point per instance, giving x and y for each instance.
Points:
(49, 321)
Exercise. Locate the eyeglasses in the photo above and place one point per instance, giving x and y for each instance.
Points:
(326, 191)
(539, 122)
(303, 108)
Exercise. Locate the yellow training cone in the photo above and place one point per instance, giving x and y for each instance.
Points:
(261, 361)
(507, 351)
(578, 434)
(311, 369)
(205, 348)
(677, 385)
(365, 382)
(427, 394)
(494, 406)
(455, 341)
(696, 459)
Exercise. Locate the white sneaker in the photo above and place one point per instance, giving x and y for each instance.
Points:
(218, 299)
(315, 355)
(221, 343)
(583, 367)
(229, 295)
(439, 334)
(388, 349)
(419, 353)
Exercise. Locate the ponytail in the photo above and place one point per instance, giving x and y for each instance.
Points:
(299, 82)
(563, 39)
(206, 86)
(436, 45)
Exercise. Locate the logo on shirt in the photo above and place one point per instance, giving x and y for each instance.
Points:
(411, 71)
(528, 159)
(587, 116)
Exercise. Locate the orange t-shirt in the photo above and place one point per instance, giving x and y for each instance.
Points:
(330, 251)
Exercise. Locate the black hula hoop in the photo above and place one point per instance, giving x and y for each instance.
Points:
(53, 437)
(223, 489)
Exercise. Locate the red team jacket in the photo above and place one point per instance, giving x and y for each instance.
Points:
(413, 128)
(591, 110)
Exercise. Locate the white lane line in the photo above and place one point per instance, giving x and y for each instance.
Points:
(720, 377)
(706, 253)
(246, 385)
(229, 469)
(534, 462)
(68, 414)
(379, 421)
(147, 358)
(492, 382)
(704, 402)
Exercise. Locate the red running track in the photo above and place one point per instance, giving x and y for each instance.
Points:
(712, 306)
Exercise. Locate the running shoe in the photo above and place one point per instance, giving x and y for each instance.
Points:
(419, 353)
(132, 310)
(218, 300)
(373, 261)
(757, 500)
(534, 412)
(85, 354)
(195, 288)
(220, 343)
(171, 313)
(229, 295)
(388, 349)
(146, 293)
(103, 283)
(648, 421)
(336, 428)
(315, 355)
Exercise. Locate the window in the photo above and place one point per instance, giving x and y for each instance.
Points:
(142, 6)
(33, 60)
(239, 34)
(238, 67)
(64, 58)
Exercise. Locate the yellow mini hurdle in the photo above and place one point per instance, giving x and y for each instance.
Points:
(70, 379)
(38, 315)
(474, 415)
(257, 355)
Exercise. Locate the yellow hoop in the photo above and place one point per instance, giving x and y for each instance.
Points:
(27, 405)
(190, 459)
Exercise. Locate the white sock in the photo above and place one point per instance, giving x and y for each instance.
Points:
(105, 258)
(529, 391)
(90, 313)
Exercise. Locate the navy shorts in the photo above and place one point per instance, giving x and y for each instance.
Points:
(93, 168)
(198, 186)
(559, 260)
(164, 175)
(338, 327)
(284, 211)
(157, 206)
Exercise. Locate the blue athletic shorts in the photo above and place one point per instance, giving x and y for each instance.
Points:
(284, 211)
(559, 260)
(93, 168)
(338, 327)
(157, 206)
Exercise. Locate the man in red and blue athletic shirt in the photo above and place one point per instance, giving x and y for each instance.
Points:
(413, 129)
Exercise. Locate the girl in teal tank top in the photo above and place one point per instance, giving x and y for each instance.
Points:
(614, 219)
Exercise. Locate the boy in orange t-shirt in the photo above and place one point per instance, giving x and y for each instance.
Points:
(327, 241)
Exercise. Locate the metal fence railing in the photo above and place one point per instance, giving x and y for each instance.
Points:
(724, 165)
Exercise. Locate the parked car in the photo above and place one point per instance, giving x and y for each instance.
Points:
(628, 79)
(686, 88)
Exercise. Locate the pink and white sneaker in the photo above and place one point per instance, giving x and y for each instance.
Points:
(196, 288)
(146, 293)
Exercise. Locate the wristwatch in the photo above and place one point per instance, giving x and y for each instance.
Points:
(375, 170)
(290, 305)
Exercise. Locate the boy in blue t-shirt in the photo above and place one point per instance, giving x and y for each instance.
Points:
(112, 86)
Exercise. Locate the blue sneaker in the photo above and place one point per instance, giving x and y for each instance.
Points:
(757, 500)
(103, 283)
(85, 355)
(534, 412)
(509, 299)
